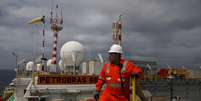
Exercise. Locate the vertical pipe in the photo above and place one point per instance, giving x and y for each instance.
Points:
(171, 89)
(134, 98)
(43, 46)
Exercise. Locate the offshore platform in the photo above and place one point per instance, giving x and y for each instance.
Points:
(70, 78)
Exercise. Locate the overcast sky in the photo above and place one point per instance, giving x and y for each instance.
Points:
(167, 30)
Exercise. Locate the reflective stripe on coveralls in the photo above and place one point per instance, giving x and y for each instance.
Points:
(123, 70)
(116, 85)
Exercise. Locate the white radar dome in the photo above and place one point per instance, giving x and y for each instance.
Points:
(72, 53)
(30, 66)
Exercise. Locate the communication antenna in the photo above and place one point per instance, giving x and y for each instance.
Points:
(56, 26)
(43, 59)
(117, 31)
(61, 21)
(51, 11)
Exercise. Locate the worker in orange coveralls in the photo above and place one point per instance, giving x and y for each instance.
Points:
(116, 74)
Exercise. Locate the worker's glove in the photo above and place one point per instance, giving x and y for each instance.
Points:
(96, 96)
(135, 75)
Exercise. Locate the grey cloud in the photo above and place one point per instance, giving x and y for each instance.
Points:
(166, 30)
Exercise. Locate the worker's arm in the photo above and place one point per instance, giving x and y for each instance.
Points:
(134, 70)
(99, 84)
(101, 79)
(138, 74)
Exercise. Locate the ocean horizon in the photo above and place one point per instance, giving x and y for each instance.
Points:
(6, 76)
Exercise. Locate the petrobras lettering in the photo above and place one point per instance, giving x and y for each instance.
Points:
(66, 79)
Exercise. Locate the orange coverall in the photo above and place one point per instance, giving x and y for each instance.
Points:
(110, 74)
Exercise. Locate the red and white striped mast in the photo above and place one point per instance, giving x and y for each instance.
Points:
(56, 23)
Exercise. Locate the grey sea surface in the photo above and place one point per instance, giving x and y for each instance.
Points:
(6, 76)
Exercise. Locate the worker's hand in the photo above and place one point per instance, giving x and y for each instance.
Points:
(96, 96)
(135, 75)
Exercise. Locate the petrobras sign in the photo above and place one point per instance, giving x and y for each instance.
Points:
(66, 79)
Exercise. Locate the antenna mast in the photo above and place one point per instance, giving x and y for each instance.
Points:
(56, 26)
(117, 31)
(43, 59)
